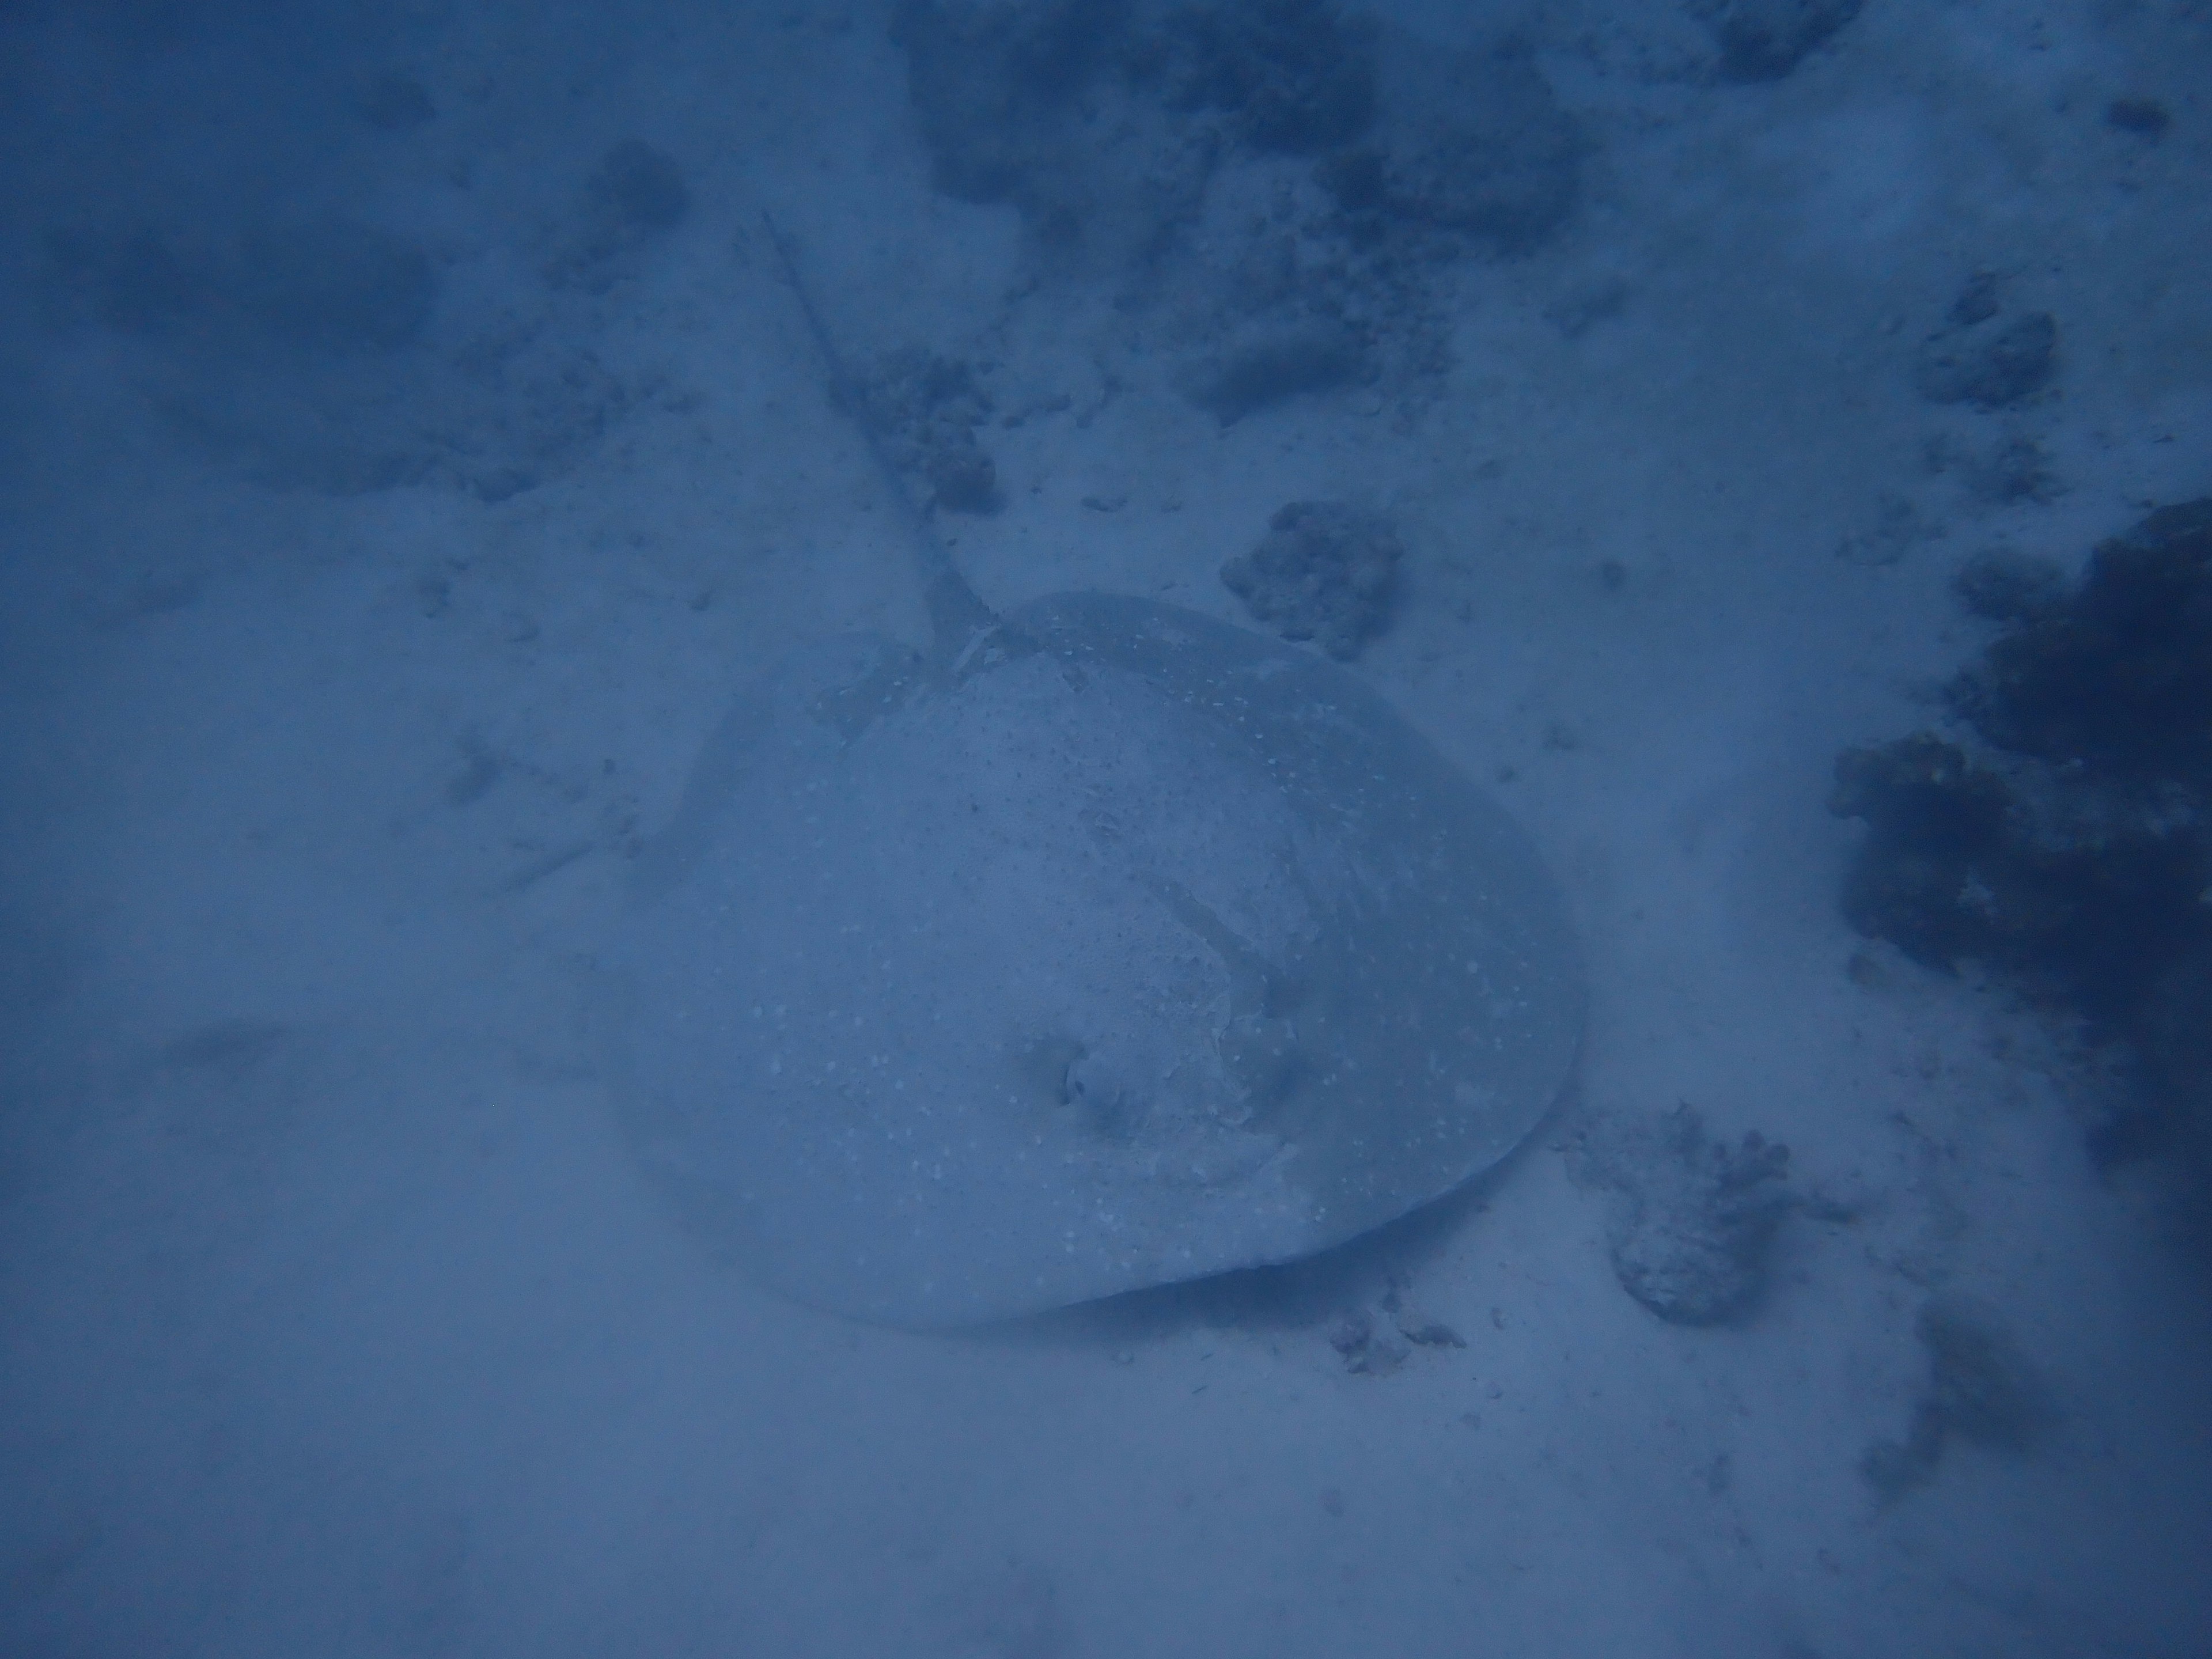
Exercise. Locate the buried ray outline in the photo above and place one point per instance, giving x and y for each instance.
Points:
(1294, 974)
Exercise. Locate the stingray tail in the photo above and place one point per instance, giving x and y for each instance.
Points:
(957, 617)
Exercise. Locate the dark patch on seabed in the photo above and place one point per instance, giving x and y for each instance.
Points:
(1275, 189)
(2061, 833)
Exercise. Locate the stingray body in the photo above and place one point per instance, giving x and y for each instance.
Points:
(1097, 946)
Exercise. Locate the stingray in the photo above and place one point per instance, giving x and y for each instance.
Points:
(1093, 946)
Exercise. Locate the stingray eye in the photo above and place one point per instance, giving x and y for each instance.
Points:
(1103, 1102)
(1089, 1085)
(1044, 1065)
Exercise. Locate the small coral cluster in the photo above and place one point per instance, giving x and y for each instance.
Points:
(928, 408)
(1324, 571)
(1691, 1221)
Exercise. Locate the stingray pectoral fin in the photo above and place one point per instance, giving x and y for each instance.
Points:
(845, 685)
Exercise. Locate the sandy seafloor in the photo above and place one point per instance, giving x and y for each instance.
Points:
(337, 1319)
